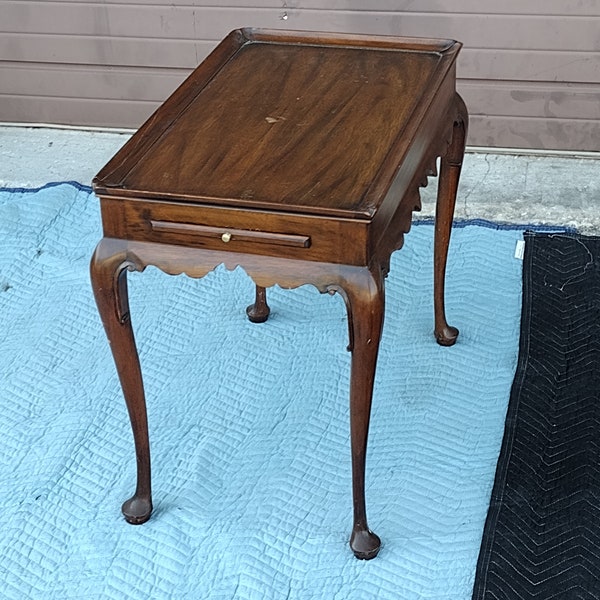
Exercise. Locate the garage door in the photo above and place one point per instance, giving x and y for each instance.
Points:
(529, 71)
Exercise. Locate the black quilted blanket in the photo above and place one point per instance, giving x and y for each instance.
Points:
(542, 535)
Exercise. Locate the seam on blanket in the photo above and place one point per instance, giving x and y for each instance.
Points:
(23, 190)
(461, 223)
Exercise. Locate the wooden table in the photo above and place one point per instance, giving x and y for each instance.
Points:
(298, 156)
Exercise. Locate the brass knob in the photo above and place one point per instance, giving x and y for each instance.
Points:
(226, 237)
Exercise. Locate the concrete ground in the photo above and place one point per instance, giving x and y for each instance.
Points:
(504, 188)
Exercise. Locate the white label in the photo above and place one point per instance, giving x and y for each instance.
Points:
(520, 250)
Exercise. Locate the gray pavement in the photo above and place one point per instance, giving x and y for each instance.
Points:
(504, 188)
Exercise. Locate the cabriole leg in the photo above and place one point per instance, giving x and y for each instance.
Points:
(108, 271)
(364, 297)
(259, 311)
(446, 199)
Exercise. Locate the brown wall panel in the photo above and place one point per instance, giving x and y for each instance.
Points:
(528, 132)
(91, 112)
(507, 7)
(533, 100)
(145, 85)
(530, 65)
(103, 51)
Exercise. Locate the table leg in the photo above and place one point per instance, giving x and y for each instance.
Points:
(259, 311)
(108, 271)
(364, 296)
(446, 199)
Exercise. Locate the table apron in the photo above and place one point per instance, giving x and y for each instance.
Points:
(303, 237)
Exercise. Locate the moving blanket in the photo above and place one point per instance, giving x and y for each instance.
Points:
(248, 424)
(542, 533)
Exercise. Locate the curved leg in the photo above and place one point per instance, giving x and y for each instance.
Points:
(108, 271)
(364, 297)
(259, 311)
(446, 200)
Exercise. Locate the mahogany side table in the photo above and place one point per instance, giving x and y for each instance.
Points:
(297, 156)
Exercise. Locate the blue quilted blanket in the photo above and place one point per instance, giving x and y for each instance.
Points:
(248, 423)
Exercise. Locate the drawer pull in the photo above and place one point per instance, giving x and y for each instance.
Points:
(240, 235)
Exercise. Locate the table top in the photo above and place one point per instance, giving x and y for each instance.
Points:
(304, 123)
